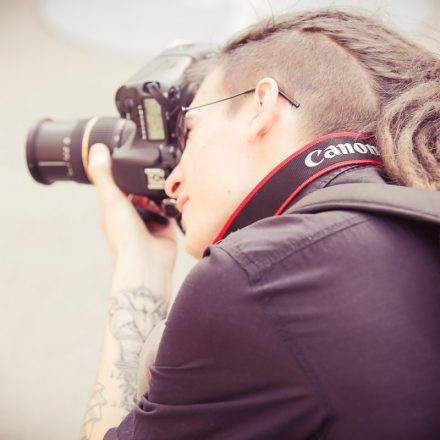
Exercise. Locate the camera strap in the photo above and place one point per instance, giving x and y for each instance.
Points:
(280, 187)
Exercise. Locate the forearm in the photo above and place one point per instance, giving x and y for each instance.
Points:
(133, 314)
(144, 256)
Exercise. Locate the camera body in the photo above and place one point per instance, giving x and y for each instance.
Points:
(152, 99)
(142, 141)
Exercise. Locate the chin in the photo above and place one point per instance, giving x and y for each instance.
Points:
(196, 241)
(193, 249)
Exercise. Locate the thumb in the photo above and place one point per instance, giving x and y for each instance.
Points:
(100, 172)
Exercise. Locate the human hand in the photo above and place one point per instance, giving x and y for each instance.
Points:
(141, 253)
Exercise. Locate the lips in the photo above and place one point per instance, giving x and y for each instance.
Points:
(180, 203)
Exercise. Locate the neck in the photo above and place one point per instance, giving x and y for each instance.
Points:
(289, 177)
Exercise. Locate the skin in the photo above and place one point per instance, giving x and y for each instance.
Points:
(227, 154)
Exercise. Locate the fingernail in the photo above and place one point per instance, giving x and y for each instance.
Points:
(97, 152)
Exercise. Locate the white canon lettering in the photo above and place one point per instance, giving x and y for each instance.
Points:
(331, 151)
(373, 150)
(316, 157)
(345, 148)
(360, 148)
(309, 159)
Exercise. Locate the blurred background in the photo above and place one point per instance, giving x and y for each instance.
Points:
(65, 60)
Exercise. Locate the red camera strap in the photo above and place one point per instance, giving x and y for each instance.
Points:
(277, 190)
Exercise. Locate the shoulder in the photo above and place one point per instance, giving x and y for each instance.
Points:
(209, 289)
(271, 240)
(211, 279)
(228, 280)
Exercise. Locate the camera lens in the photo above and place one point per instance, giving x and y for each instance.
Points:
(59, 150)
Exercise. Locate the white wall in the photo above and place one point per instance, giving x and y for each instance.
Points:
(64, 59)
(144, 26)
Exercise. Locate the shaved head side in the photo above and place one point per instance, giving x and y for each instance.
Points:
(351, 73)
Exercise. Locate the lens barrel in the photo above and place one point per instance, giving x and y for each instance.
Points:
(59, 150)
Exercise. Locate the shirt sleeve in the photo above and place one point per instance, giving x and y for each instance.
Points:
(222, 371)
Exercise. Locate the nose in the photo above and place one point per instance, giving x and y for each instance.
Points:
(173, 182)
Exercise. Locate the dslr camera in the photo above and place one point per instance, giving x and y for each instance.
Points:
(142, 140)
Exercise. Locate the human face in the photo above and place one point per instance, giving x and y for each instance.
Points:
(217, 169)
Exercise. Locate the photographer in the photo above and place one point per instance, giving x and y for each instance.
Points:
(294, 325)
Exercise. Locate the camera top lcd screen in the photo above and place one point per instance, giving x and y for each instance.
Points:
(153, 120)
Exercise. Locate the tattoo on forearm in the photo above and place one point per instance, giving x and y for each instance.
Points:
(94, 411)
(133, 315)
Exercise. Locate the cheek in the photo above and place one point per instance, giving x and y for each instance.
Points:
(212, 168)
(215, 179)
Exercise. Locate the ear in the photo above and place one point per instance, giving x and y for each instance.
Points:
(265, 107)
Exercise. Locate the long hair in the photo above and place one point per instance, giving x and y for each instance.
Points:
(350, 72)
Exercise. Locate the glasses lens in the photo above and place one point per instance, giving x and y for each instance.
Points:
(181, 130)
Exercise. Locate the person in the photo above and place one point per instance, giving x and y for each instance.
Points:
(294, 325)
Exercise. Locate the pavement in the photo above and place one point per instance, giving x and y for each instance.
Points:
(55, 266)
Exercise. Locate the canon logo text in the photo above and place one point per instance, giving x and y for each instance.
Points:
(316, 157)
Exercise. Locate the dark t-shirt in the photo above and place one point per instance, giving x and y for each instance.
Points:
(303, 327)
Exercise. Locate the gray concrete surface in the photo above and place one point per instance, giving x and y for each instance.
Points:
(55, 267)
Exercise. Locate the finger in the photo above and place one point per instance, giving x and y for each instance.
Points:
(145, 203)
(100, 171)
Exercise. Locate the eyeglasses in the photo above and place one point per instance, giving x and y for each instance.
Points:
(182, 129)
